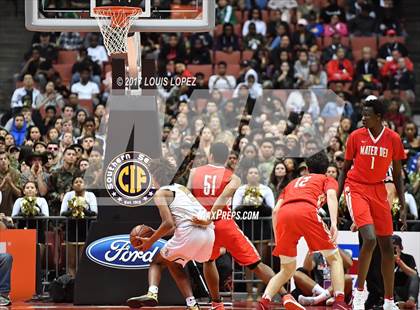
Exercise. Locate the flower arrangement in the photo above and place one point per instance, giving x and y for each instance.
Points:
(29, 208)
(77, 206)
(252, 196)
(395, 209)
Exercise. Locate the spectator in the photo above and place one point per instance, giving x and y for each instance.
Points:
(332, 171)
(410, 140)
(225, 13)
(391, 66)
(47, 48)
(6, 261)
(85, 89)
(406, 276)
(60, 180)
(267, 159)
(278, 179)
(251, 84)
(286, 7)
(199, 55)
(403, 78)
(332, 9)
(317, 78)
(284, 78)
(336, 107)
(70, 41)
(9, 184)
(367, 67)
(363, 24)
(330, 52)
(302, 38)
(255, 17)
(253, 40)
(302, 69)
(37, 173)
(24, 96)
(385, 51)
(307, 9)
(173, 50)
(303, 101)
(96, 51)
(33, 66)
(335, 26)
(18, 130)
(34, 134)
(340, 69)
(228, 41)
(314, 26)
(85, 61)
(49, 98)
(355, 9)
(30, 191)
(388, 20)
(280, 29)
(205, 37)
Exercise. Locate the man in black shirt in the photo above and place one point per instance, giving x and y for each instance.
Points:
(406, 276)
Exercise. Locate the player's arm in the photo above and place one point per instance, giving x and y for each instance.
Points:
(343, 175)
(227, 194)
(333, 209)
(167, 226)
(399, 186)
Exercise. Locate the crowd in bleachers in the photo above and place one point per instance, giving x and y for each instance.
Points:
(266, 61)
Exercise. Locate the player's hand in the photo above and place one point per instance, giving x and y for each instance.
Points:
(353, 227)
(334, 233)
(201, 222)
(403, 219)
(146, 243)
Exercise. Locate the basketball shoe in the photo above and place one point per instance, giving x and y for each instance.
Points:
(148, 300)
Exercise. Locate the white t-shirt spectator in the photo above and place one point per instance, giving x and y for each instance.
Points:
(19, 94)
(85, 91)
(98, 54)
(296, 103)
(89, 197)
(41, 203)
(221, 82)
(260, 26)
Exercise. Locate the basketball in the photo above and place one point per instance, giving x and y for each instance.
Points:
(142, 231)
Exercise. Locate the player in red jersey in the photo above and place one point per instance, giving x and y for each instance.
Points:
(214, 185)
(296, 216)
(370, 151)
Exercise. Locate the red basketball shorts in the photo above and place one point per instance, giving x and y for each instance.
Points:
(230, 237)
(368, 204)
(296, 220)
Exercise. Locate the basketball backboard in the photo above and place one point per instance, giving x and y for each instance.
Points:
(157, 16)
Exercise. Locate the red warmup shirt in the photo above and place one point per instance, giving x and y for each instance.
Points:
(208, 183)
(311, 188)
(372, 157)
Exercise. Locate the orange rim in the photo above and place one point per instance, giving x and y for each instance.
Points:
(110, 11)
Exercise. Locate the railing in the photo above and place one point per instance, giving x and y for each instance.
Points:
(59, 243)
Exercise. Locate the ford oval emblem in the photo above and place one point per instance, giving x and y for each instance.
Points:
(117, 252)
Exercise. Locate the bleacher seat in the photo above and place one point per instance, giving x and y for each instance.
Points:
(67, 57)
(233, 69)
(385, 39)
(86, 104)
(239, 17)
(247, 55)
(237, 29)
(358, 43)
(207, 70)
(229, 58)
(65, 72)
(328, 40)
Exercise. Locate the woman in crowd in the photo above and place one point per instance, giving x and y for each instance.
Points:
(278, 179)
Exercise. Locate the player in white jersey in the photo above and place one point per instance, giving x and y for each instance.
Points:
(177, 206)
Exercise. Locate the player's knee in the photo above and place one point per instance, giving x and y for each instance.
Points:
(255, 266)
(369, 242)
(331, 256)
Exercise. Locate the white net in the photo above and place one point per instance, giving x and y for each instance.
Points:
(115, 24)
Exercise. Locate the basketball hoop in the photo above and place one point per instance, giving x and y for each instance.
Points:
(115, 23)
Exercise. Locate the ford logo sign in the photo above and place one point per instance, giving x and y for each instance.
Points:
(117, 252)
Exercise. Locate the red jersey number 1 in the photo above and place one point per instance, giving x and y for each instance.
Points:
(209, 187)
(372, 165)
(301, 182)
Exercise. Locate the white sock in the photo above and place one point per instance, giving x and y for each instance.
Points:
(153, 289)
(318, 290)
(320, 298)
(266, 296)
(191, 301)
(306, 301)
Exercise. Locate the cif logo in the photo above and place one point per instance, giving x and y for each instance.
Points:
(118, 253)
(128, 179)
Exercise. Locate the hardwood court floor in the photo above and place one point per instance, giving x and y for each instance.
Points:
(42, 306)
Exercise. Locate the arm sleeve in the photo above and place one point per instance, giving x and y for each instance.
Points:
(228, 15)
(350, 148)
(64, 203)
(237, 197)
(44, 207)
(330, 183)
(269, 197)
(16, 207)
